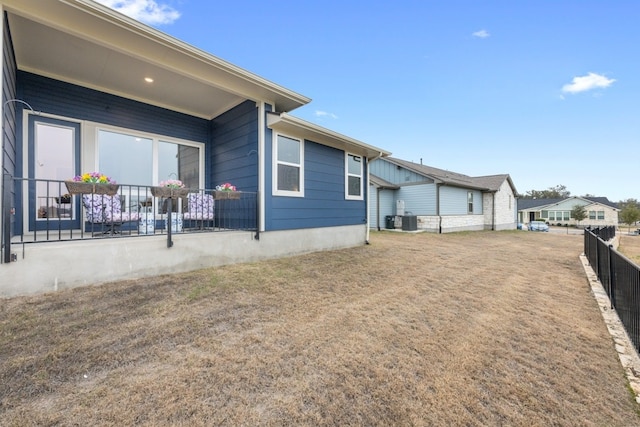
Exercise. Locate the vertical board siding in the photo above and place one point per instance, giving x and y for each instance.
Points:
(68, 100)
(324, 203)
(233, 155)
(394, 174)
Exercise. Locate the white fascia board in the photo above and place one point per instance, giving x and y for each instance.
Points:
(293, 126)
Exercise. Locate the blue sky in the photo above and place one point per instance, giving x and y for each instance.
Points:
(546, 91)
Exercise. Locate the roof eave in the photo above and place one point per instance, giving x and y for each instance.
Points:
(286, 99)
(296, 127)
(103, 26)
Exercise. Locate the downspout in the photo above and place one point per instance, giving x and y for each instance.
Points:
(438, 185)
(378, 206)
(366, 240)
(261, 154)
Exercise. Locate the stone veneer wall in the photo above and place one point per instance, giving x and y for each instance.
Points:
(504, 209)
(451, 223)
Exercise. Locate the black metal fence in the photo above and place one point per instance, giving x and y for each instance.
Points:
(39, 210)
(619, 276)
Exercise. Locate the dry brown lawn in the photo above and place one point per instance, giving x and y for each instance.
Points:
(472, 329)
(629, 246)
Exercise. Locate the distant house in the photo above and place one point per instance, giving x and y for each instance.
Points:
(86, 89)
(441, 201)
(600, 211)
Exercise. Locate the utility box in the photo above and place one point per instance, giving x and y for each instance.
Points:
(399, 207)
(409, 223)
(389, 222)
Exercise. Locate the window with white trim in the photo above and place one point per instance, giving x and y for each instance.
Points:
(600, 214)
(134, 158)
(470, 202)
(288, 173)
(353, 178)
(140, 159)
(592, 214)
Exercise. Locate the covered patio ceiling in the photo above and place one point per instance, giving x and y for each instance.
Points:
(85, 43)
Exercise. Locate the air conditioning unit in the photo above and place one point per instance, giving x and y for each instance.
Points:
(400, 207)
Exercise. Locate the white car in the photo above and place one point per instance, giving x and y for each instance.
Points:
(538, 226)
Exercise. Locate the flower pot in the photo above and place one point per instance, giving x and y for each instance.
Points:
(169, 192)
(218, 195)
(77, 187)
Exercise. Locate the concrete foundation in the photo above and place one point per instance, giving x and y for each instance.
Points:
(47, 267)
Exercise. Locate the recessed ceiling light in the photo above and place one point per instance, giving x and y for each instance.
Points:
(148, 79)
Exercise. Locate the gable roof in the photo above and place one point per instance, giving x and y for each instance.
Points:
(483, 183)
(85, 43)
(529, 204)
(494, 182)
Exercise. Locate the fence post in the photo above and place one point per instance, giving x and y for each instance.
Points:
(597, 266)
(612, 276)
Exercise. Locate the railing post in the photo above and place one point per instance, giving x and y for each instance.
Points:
(7, 179)
(257, 235)
(168, 223)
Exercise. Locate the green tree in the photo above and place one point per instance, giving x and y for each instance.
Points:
(578, 213)
(557, 192)
(629, 214)
(633, 202)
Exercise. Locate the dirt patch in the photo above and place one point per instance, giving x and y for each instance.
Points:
(486, 328)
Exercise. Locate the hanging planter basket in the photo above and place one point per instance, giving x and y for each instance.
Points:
(77, 187)
(219, 195)
(169, 193)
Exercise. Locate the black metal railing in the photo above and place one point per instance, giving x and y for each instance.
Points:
(605, 233)
(620, 278)
(40, 210)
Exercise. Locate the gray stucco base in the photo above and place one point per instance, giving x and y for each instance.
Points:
(47, 267)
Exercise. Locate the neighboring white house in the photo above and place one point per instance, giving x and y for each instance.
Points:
(441, 201)
(600, 211)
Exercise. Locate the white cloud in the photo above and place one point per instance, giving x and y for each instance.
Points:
(320, 113)
(147, 11)
(588, 82)
(482, 34)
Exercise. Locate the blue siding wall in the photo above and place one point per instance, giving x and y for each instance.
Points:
(324, 204)
(68, 100)
(386, 206)
(453, 201)
(418, 199)
(234, 153)
(12, 112)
